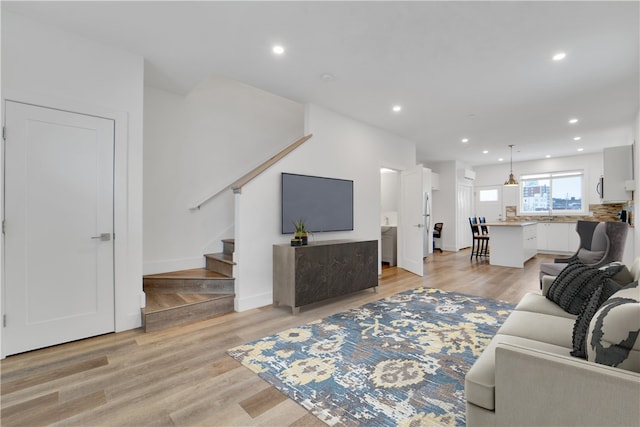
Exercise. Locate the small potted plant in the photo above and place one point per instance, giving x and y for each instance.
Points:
(301, 231)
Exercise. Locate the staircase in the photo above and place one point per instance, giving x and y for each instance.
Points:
(185, 296)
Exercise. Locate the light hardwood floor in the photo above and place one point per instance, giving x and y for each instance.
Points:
(182, 376)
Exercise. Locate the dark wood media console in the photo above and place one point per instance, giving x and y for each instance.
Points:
(306, 274)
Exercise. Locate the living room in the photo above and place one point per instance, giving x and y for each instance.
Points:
(175, 147)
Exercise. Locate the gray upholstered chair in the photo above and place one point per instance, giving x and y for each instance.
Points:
(600, 244)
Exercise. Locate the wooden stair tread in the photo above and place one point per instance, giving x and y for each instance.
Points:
(222, 257)
(229, 241)
(194, 273)
(157, 302)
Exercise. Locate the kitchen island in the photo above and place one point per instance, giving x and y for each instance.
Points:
(512, 243)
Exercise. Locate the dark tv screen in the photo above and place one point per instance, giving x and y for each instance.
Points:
(324, 204)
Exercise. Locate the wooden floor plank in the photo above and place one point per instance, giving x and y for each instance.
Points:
(183, 376)
(262, 401)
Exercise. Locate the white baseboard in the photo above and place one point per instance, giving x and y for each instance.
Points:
(255, 301)
(130, 321)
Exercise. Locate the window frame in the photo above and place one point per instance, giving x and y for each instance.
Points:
(550, 176)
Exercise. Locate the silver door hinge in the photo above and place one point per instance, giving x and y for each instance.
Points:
(4, 133)
(4, 320)
(3, 226)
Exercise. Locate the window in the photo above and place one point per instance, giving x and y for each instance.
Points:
(558, 193)
(488, 195)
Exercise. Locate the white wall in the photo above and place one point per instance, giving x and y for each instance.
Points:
(198, 144)
(497, 174)
(389, 191)
(636, 169)
(340, 148)
(48, 67)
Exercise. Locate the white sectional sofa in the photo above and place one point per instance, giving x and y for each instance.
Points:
(527, 377)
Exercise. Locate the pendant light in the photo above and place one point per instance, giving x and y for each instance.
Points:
(511, 181)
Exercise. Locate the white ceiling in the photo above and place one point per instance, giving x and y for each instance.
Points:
(480, 70)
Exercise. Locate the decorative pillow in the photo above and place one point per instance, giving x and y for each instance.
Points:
(581, 326)
(589, 257)
(613, 331)
(575, 283)
(623, 275)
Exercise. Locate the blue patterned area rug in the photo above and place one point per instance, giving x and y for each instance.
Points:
(400, 361)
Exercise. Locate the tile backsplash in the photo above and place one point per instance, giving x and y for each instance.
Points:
(608, 212)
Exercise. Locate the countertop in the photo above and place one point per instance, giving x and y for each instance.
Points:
(510, 223)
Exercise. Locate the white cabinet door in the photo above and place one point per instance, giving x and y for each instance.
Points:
(542, 242)
(558, 237)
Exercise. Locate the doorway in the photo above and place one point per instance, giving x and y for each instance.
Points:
(59, 218)
(389, 191)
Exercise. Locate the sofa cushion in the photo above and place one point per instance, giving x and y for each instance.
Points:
(571, 289)
(545, 328)
(613, 332)
(589, 257)
(552, 268)
(537, 303)
(480, 380)
(581, 327)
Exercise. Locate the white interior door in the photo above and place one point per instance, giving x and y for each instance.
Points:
(411, 221)
(59, 227)
(488, 202)
(464, 211)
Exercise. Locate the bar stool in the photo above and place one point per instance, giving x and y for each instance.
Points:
(480, 244)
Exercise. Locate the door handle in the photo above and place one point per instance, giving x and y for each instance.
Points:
(418, 225)
(104, 237)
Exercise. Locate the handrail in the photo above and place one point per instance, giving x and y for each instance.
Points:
(237, 185)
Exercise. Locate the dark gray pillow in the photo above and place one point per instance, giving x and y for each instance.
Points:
(581, 327)
(589, 257)
(576, 282)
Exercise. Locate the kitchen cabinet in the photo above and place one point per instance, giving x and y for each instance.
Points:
(512, 243)
(557, 237)
(617, 170)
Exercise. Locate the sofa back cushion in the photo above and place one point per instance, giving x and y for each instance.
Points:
(613, 331)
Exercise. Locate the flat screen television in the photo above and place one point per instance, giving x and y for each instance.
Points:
(324, 204)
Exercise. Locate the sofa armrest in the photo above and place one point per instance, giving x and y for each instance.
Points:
(534, 388)
(546, 282)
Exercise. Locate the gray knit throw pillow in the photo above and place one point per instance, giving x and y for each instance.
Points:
(575, 283)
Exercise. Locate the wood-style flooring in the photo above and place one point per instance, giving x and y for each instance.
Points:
(182, 376)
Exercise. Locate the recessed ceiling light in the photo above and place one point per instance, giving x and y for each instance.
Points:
(327, 77)
(577, 138)
(485, 151)
(559, 56)
(386, 170)
(278, 50)
(465, 140)
(547, 156)
(501, 159)
(580, 149)
(397, 108)
(573, 121)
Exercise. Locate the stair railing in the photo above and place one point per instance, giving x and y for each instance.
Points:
(237, 185)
